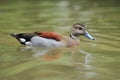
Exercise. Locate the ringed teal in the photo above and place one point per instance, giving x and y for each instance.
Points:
(53, 39)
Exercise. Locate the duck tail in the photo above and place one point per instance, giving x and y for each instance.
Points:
(14, 35)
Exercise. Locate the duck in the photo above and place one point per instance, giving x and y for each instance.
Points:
(53, 39)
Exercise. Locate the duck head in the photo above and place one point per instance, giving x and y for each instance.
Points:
(78, 30)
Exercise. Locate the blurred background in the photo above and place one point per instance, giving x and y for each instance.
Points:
(92, 60)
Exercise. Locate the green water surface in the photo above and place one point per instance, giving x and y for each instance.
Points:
(92, 60)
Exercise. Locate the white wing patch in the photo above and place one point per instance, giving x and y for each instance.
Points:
(22, 40)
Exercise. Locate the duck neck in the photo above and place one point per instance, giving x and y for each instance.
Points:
(73, 36)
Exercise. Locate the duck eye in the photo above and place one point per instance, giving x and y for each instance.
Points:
(80, 28)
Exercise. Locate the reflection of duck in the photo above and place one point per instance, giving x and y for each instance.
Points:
(52, 55)
(53, 39)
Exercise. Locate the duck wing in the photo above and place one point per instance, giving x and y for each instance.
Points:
(50, 35)
(26, 36)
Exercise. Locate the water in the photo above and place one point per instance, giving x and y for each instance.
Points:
(92, 60)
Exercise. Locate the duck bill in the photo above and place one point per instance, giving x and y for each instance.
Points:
(88, 36)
